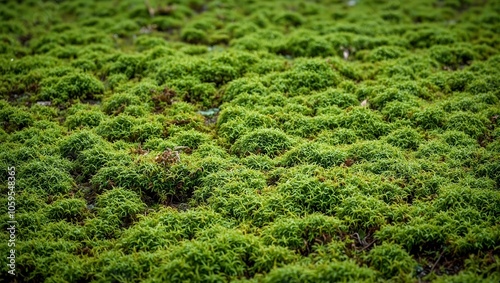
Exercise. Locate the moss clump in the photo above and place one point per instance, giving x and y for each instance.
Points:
(13, 119)
(259, 162)
(405, 138)
(303, 77)
(47, 176)
(302, 234)
(71, 86)
(265, 141)
(244, 86)
(392, 260)
(234, 264)
(386, 53)
(310, 194)
(467, 123)
(89, 161)
(313, 153)
(191, 139)
(334, 97)
(367, 124)
(391, 95)
(118, 102)
(118, 205)
(430, 118)
(373, 151)
(77, 142)
(128, 128)
(304, 44)
(457, 138)
(452, 57)
(327, 272)
(68, 209)
(338, 136)
(84, 118)
(236, 122)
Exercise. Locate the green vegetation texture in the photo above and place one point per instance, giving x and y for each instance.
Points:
(251, 141)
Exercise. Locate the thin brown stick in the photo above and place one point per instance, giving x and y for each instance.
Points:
(151, 10)
(368, 245)
(434, 265)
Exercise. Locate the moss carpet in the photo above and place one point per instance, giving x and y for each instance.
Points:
(250, 141)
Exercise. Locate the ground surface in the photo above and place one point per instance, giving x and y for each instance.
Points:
(251, 141)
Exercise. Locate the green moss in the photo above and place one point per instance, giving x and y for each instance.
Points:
(249, 42)
(427, 37)
(302, 234)
(118, 204)
(13, 119)
(456, 197)
(386, 53)
(118, 102)
(71, 86)
(89, 161)
(191, 138)
(334, 97)
(119, 127)
(466, 276)
(424, 235)
(234, 122)
(367, 124)
(138, 238)
(256, 141)
(244, 86)
(102, 229)
(222, 182)
(75, 143)
(119, 175)
(144, 129)
(458, 81)
(304, 44)
(119, 266)
(314, 153)
(452, 57)
(265, 141)
(338, 136)
(433, 149)
(194, 35)
(68, 209)
(362, 212)
(167, 227)
(330, 272)
(391, 95)
(396, 110)
(310, 194)
(127, 65)
(258, 162)
(466, 123)
(430, 118)
(40, 134)
(391, 260)
(475, 239)
(405, 138)
(373, 151)
(115, 80)
(192, 90)
(456, 138)
(46, 176)
(305, 76)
